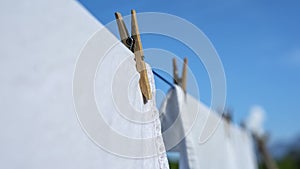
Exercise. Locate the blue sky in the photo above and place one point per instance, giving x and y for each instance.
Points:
(257, 41)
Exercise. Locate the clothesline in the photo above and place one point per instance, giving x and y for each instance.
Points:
(162, 78)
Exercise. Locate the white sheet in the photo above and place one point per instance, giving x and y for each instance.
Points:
(118, 120)
(209, 142)
(40, 42)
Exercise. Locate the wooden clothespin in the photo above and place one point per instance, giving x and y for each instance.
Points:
(261, 142)
(134, 43)
(180, 81)
(227, 116)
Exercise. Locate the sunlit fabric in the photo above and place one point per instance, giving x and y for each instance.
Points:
(209, 142)
(40, 45)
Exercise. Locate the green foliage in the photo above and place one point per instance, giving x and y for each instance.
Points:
(287, 162)
(174, 165)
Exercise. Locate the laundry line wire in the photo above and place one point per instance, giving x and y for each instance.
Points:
(162, 78)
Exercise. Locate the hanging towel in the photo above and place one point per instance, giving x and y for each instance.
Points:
(209, 142)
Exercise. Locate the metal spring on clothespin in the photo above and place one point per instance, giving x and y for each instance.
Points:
(180, 81)
(134, 43)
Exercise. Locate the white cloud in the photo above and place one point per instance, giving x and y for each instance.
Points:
(255, 120)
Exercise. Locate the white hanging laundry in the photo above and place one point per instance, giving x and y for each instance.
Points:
(226, 146)
(244, 147)
(117, 77)
(40, 43)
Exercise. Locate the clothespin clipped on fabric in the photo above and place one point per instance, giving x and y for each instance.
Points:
(134, 43)
(227, 116)
(180, 81)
